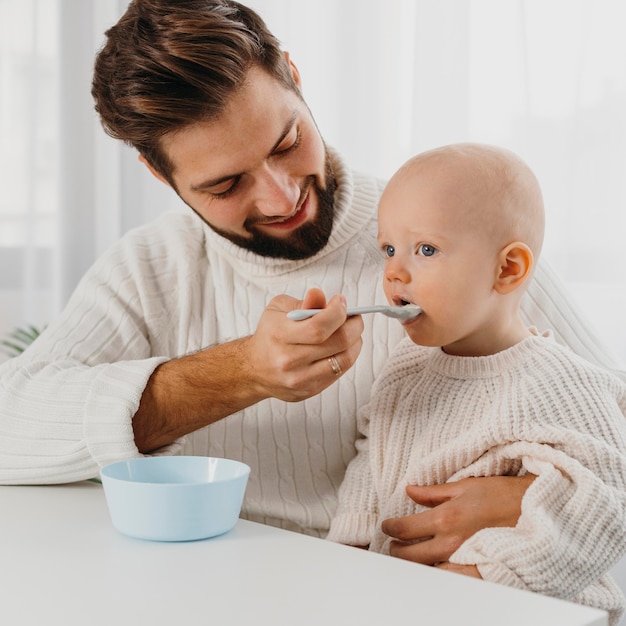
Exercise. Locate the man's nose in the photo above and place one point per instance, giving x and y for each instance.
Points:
(278, 192)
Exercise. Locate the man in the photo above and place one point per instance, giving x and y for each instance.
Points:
(177, 339)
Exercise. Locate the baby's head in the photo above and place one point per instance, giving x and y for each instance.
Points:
(461, 228)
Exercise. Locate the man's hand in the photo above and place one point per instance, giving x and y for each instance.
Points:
(290, 359)
(456, 511)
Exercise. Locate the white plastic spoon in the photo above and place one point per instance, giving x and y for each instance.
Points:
(404, 313)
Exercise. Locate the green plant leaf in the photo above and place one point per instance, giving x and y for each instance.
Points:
(18, 340)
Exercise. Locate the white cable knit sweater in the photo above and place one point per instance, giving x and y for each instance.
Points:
(535, 407)
(172, 287)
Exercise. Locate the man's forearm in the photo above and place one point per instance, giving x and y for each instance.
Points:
(190, 392)
(283, 359)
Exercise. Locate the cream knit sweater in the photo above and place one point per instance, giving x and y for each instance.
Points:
(535, 407)
(172, 287)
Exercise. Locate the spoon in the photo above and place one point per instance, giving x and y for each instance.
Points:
(404, 313)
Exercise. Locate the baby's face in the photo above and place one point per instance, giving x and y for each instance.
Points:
(440, 254)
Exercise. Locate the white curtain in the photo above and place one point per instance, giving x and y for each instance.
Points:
(546, 78)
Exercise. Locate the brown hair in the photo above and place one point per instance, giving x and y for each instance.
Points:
(166, 65)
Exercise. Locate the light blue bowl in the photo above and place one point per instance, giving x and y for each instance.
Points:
(175, 498)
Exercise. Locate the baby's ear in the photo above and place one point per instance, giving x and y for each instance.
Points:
(515, 263)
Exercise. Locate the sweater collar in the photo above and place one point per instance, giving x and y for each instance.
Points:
(467, 367)
(351, 214)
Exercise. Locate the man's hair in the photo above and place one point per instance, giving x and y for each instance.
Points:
(169, 64)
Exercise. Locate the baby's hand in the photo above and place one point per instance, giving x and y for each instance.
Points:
(466, 570)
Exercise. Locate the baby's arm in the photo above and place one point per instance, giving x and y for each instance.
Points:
(572, 527)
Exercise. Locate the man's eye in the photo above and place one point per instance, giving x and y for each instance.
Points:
(425, 249)
(289, 144)
(389, 251)
(224, 190)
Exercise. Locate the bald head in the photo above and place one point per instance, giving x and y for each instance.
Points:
(495, 193)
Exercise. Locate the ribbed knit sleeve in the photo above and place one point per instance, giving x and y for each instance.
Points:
(67, 427)
(357, 513)
(66, 403)
(570, 533)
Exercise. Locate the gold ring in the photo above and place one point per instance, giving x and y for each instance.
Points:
(334, 365)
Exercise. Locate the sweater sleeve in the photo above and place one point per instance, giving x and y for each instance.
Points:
(571, 530)
(67, 402)
(356, 517)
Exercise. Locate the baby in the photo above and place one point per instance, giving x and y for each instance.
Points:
(473, 391)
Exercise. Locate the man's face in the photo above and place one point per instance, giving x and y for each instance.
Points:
(259, 174)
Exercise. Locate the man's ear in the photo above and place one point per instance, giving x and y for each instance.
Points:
(515, 263)
(153, 171)
(294, 70)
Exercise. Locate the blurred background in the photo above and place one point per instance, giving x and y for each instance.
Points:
(546, 78)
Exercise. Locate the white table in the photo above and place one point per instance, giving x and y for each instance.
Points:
(62, 563)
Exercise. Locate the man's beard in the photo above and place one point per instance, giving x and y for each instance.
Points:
(301, 243)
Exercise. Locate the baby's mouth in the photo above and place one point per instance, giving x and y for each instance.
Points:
(398, 301)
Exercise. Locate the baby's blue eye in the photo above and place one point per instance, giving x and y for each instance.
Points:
(426, 250)
(389, 250)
